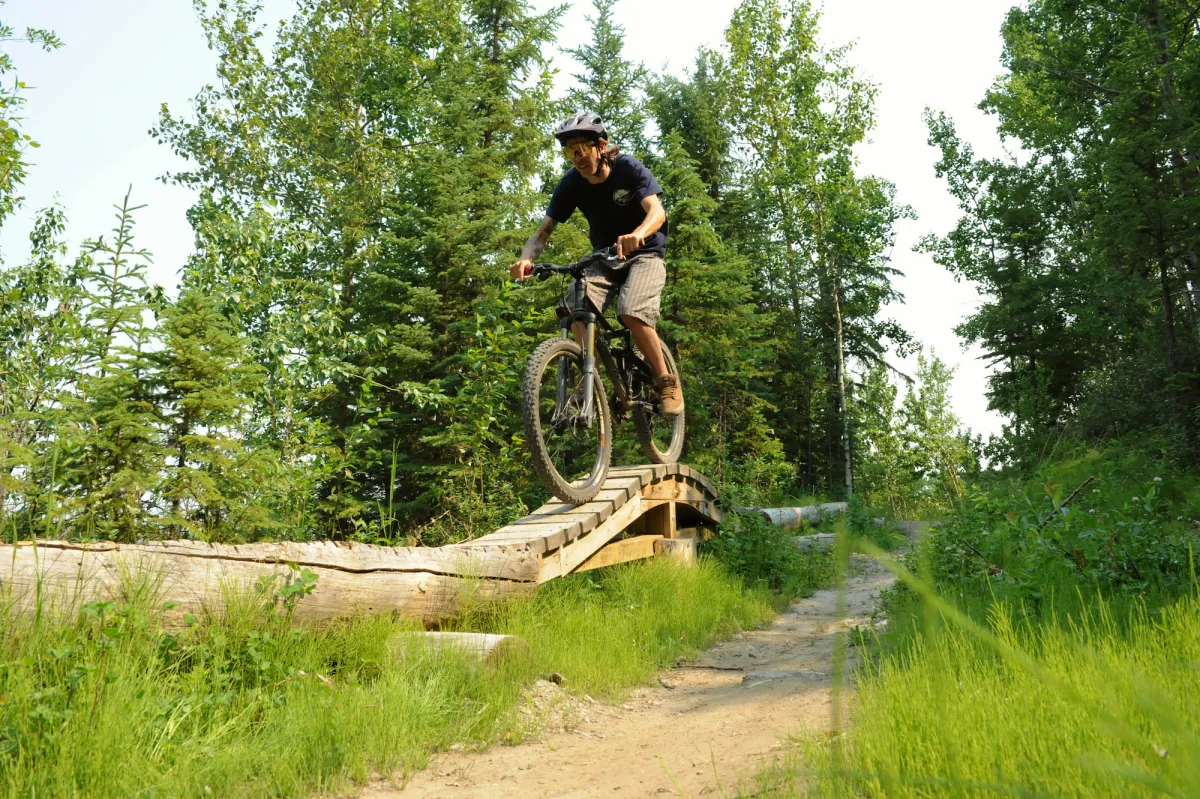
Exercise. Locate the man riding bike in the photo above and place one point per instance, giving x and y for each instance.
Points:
(619, 198)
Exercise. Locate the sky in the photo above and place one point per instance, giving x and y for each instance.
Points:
(92, 104)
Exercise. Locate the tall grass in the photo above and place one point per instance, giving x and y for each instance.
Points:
(1102, 700)
(106, 702)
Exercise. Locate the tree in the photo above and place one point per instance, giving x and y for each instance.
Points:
(720, 337)
(365, 177)
(43, 339)
(797, 113)
(108, 431)
(1085, 245)
(206, 385)
(14, 143)
(608, 83)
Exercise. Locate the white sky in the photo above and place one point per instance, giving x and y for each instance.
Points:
(94, 101)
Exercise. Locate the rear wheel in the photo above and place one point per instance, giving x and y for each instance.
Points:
(571, 444)
(661, 436)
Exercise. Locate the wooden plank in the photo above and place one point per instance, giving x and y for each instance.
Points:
(586, 521)
(554, 534)
(601, 509)
(565, 560)
(534, 545)
(616, 496)
(631, 484)
(621, 551)
(555, 507)
(643, 474)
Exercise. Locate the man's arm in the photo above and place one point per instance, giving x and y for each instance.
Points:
(655, 216)
(532, 249)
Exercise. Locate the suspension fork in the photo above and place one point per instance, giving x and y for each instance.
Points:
(562, 386)
(589, 370)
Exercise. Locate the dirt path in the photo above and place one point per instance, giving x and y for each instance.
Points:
(696, 735)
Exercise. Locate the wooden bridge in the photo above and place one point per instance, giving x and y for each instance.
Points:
(641, 511)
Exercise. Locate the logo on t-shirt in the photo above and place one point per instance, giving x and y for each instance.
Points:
(622, 196)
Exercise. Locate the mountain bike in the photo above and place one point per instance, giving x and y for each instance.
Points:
(568, 413)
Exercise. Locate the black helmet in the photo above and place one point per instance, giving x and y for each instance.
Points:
(581, 123)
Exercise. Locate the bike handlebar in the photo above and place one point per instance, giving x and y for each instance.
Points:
(609, 254)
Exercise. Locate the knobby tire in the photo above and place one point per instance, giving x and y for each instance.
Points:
(544, 357)
(644, 421)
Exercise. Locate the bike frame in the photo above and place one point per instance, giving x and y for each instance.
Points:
(597, 333)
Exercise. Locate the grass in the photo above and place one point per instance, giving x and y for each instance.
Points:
(108, 703)
(1102, 703)
(1016, 670)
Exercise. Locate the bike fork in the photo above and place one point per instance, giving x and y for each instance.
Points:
(586, 413)
(589, 372)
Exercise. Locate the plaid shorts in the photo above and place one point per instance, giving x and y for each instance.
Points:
(637, 287)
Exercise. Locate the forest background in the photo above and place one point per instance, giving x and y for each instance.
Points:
(342, 356)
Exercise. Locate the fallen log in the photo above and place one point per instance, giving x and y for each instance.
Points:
(481, 648)
(817, 541)
(198, 579)
(791, 518)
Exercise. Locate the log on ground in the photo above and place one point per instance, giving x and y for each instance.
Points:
(482, 648)
(791, 518)
(197, 579)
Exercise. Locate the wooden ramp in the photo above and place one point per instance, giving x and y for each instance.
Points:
(641, 510)
(638, 506)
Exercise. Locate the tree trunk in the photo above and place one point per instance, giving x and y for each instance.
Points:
(841, 365)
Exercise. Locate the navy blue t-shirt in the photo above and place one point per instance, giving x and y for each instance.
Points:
(612, 208)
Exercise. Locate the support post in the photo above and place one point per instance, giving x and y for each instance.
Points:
(682, 549)
(661, 520)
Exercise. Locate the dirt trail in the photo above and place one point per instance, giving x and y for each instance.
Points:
(696, 735)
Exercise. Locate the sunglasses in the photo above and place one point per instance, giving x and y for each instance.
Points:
(573, 151)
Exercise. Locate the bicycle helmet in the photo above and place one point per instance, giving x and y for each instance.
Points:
(581, 123)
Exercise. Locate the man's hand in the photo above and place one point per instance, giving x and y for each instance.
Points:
(521, 269)
(629, 243)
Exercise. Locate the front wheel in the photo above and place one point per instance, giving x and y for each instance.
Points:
(661, 436)
(571, 443)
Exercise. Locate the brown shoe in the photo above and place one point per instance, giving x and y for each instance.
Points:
(671, 395)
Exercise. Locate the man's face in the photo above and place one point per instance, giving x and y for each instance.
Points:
(583, 153)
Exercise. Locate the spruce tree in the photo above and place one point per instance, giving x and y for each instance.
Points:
(111, 452)
(720, 337)
(386, 155)
(206, 385)
(610, 84)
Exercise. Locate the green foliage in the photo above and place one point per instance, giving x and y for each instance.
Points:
(818, 232)
(608, 83)
(377, 162)
(766, 555)
(207, 385)
(1128, 530)
(1084, 248)
(915, 457)
(13, 143)
(344, 356)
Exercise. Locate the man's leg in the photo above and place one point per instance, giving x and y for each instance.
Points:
(646, 338)
(638, 310)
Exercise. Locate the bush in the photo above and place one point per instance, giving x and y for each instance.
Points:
(767, 556)
(1120, 519)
